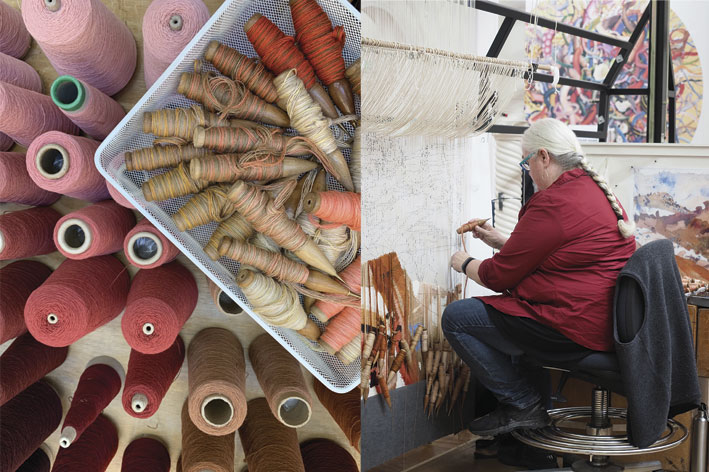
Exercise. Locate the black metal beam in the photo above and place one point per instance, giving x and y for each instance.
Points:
(658, 73)
(602, 115)
(501, 37)
(584, 84)
(625, 52)
(672, 104)
(628, 91)
(527, 17)
(506, 129)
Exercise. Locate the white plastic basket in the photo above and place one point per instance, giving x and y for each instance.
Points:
(226, 26)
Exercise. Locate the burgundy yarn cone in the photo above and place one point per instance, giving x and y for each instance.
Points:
(149, 377)
(17, 281)
(26, 421)
(98, 385)
(146, 455)
(92, 452)
(95, 230)
(25, 362)
(159, 303)
(80, 296)
(17, 186)
(38, 462)
(27, 233)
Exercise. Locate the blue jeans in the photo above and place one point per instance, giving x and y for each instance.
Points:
(470, 331)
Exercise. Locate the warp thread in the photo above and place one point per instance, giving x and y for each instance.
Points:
(145, 455)
(64, 164)
(16, 186)
(232, 63)
(341, 208)
(16, 72)
(79, 297)
(37, 462)
(156, 157)
(26, 421)
(149, 377)
(282, 381)
(98, 385)
(15, 40)
(324, 455)
(89, 108)
(92, 451)
(85, 39)
(95, 230)
(159, 303)
(268, 444)
(27, 233)
(201, 451)
(168, 25)
(146, 247)
(216, 374)
(118, 197)
(25, 114)
(17, 280)
(344, 409)
(25, 362)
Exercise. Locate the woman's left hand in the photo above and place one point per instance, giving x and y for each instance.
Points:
(457, 260)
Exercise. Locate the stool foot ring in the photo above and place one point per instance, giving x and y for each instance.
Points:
(560, 437)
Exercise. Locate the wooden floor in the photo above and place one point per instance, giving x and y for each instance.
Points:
(108, 340)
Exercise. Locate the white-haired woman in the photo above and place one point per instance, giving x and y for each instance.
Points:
(556, 274)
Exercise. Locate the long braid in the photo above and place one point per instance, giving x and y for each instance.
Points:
(626, 228)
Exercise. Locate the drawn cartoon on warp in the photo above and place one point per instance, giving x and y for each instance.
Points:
(580, 58)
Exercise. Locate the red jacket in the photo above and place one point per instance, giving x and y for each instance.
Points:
(561, 262)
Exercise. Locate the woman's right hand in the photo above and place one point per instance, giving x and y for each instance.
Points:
(489, 235)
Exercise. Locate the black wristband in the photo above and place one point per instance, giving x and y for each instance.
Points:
(464, 267)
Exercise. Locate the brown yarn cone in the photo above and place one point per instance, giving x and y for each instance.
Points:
(344, 409)
(268, 444)
(216, 373)
(201, 451)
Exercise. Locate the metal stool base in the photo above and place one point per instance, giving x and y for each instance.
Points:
(558, 438)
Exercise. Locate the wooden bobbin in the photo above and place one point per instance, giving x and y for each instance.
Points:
(310, 331)
(316, 91)
(312, 201)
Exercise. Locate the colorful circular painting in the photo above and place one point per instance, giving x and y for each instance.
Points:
(580, 58)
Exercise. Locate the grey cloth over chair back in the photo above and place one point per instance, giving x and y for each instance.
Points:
(653, 341)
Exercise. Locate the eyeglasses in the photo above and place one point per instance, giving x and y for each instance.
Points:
(524, 164)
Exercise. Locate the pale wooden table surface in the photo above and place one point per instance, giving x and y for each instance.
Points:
(108, 340)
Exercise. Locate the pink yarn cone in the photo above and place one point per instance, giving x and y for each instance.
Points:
(16, 72)
(146, 248)
(168, 25)
(89, 108)
(95, 230)
(16, 185)
(25, 114)
(118, 196)
(14, 37)
(64, 164)
(83, 38)
(6, 142)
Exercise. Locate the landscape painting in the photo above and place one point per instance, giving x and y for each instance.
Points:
(674, 204)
